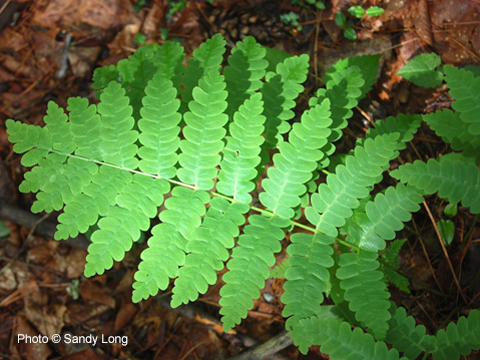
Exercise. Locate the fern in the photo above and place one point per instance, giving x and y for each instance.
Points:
(339, 341)
(390, 262)
(453, 177)
(194, 139)
(450, 126)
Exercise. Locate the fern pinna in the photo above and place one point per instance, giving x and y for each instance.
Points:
(194, 138)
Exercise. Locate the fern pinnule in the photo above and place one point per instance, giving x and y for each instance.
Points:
(204, 132)
(364, 289)
(405, 336)
(389, 211)
(279, 91)
(458, 339)
(167, 247)
(249, 267)
(118, 139)
(96, 199)
(390, 265)
(159, 128)
(465, 89)
(455, 178)
(450, 126)
(243, 76)
(208, 57)
(404, 124)
(241, 153)
(340, 342)
(307, 277)
(296, 161)
(137, 203)
(352, 181)
(207, 250)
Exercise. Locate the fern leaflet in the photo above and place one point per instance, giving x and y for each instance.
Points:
(453, 177)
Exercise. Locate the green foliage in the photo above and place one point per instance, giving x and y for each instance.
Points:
(421, 70)
(194, 141)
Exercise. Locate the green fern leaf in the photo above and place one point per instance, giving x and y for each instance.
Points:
(365, 290)
(367, 64)
(279, 270)
(84, 126)
(167, 247)
(136, 205)
(249, 267)
(390, 259)
(308, 277)
(340, 342)
(159, 128)
(241, 154)
(296, 161)
(102, 76)
(96, 199)
(405, 124)
(458, 339)
(352, 181)
(118, 139)
(389, 211)
(243, 76)
(204, 132)
(405, 336)
(465, 89)
(208, 250)
(208, 57)
(453, 177)
(279, 92)
(343, 91)
(450, 126)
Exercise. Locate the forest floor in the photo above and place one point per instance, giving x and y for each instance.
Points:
(48, 51)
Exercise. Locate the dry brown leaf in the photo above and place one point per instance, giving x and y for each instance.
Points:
(66, 13)
(29, 350)
(79, 313)
(423, 25)
(124, 316)
(94, 292)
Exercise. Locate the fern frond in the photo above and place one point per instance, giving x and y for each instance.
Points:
(249, 267)
(167, 247)
(279, 270)
(455, 179)
(390, 259)
(450, 126)
(243, 76)
(118, 139)
(207, 250)
(458, 339)
(465, 89)
(241, 153)
(405, 336)
(308, 277)
(204, 132)
(352, 181)
(296, 161)
(389, 211)
(96, 199)
(340, 342)
(279, 92)
(208, 57)
(343, 91)
(136, 205)
(404, 124)
(365, 290)
(367, 64)
(159, 128)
